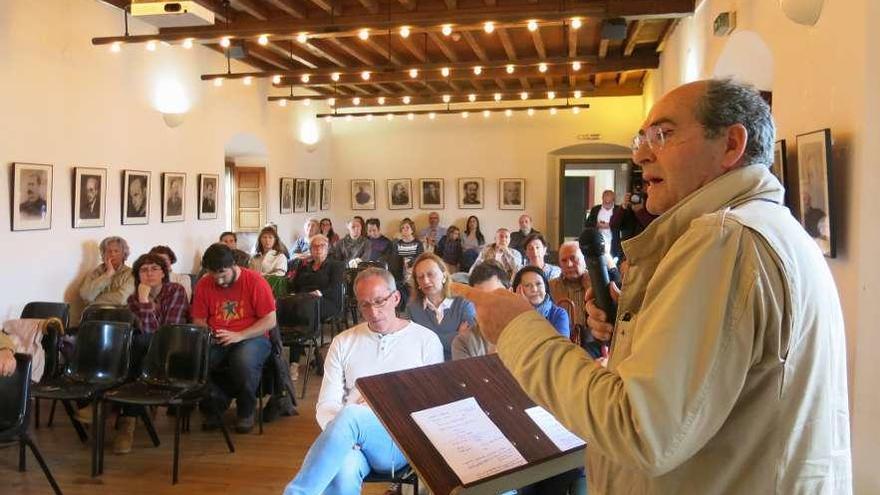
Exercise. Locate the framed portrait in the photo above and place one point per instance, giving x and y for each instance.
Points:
(326, 189)
(31, 196)
(286, 195)
(314, 201)
(432, 194)
(779, 160)
(511, 194)
(470, 192)
(89, 196)
(399, 194)
(299, 195)
(815, 180)
(135, 197)
(363, 194)
(208, 187)
(173, 196)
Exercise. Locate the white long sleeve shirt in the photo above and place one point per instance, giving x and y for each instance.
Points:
(360, 352)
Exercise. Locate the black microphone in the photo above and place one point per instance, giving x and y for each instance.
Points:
(593, 246)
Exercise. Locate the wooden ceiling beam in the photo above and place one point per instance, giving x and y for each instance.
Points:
(477, 49)
(408, 4)
(372, 6)
(539, 43)
(633, 38)
(320, 52)
(621, 79)
(572, 41)
(347, 48)
(603, 47)
(384, 51)
(253, 62)
(294, 54)
(329, 6)
(509, 50)
(667, 32)
(451, 55)
(269, 56)
(251, 7)
(451, 4)
(410, 45)
(288, 7)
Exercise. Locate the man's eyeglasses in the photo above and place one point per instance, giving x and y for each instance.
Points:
(654, 136)
(375, 303)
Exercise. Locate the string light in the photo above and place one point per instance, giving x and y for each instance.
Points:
(489, 27)
(478, 70)
(348, 118)
(248, 80)
(414, 73)
(328, 119)
(551, 95)
(533, 25)
(365, 75)
(406, 100)
(497, 96)
(307, 102)
(447, 29)
(404, 32)
(304, 78)
(369, 117)
(334, 76)
(331, 102)
(576, 110)
(444, 72)
(464, 114)
(263, 40)
(510, 68)
(446, 98)
(188, 43)
(486, 114)
(151, 45)
(224, 42)
(472, 97)
(508, 112)
(282, 103)
(523, 96)
(410, 116)
(531, 112)
(364, 34)
(542, 67)
(276, 79)
(302, 38)
(356, 100)
(576, 23)
(432, 115)
(218, 82)
(553, 111)
(381, 100)
(577, 94)
(576, 65)
(116, 47)
(390, 117)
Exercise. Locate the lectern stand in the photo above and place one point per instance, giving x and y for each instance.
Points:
(394, 396)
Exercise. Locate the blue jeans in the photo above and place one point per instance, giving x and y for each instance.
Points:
(353, 444)
(235, 372)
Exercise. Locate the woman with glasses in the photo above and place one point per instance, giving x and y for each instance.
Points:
(432, 304)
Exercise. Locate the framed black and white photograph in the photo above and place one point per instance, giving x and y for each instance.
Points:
(314, 201)
(363, 194)
(299, 195)
(173, 196)
(470, 192)
(511, 194)
(779, 160)
(31, 196)
(432, 194)
(286, 195)
(89, 196)
(135, 197)
(814, 172)
(400, 194)
(326, 189)
(208, 187)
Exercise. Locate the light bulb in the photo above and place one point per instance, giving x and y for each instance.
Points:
(276, 79)
(523, 96)
(414, 73)
(349, 118)
(328, 119)
(365, 75)
(282, 103)
(302, 38)
(304, 78)
(410, 116)
(406, 100)
(531, 112)
(381, 100)
(356, 100)
(576, 110)
(551, 95)
(390, 117)
(533, 25)
(446, 98)
(577, 94)
(444, 72)
(542, 67)
(509, 68)
(404, 32)
(472, 97)
(115, 47)
(307, 102)
(364, 34)
(486, 114)
(224, 42)
(508, 112)
(576, 23)
(553, 111)
(447, 29)
(489, 27)
(331, 102)
(218, 82)
(188, 43)
(576, 66)
(334, 76)
(263, 40)
(432, 115)
(478, 70)
(464, 115)
(497, 96)
(151, 46)
(248, 80)
(369, 117)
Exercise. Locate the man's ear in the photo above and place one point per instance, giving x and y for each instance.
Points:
(736, 139)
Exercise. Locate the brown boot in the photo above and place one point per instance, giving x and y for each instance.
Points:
(125, 435)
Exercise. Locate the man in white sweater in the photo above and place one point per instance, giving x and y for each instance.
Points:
(354, 442)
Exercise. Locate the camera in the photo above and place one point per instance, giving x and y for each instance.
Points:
(635, 198)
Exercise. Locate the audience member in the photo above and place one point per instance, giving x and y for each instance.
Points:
(518, 238)
(300, 248)
(230, 239)
(112, 281)
(353, 442)
(157, 301)
(319, 275)
(600, 219)
(531, 283)
(633, 217)
(487, 276)
(500, 251)
(536, 250)
(450, 249)
(238, 306)
(432, 234)
(270, 258)
(379, 247)
(472, 242)
(432, 304)
(405, 250)
(329, 233)
(7, 355)
(170, 258)
(242, 259)
(351, 248)
(570, 289)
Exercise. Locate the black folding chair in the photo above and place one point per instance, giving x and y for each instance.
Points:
(337, 320)
(107, 312)
(175, 373)
(299, 322)
(99, 362)
(14, 392)
(51, 345)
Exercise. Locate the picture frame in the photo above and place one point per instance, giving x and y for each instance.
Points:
(31, 196)
(326, 189)
(471, 193)
(363, 194)
(511, 194)
(286, 199)
(135, 198)
(816, 184)
(400, 194)
(89, 197)
(432, 194)
(173, 197)
(299, 195)
(314, 201)
(780, 160)
(209, 189)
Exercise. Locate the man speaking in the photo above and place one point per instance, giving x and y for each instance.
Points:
(727, 370)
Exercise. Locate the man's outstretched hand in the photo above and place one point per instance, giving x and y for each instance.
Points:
(495, 310)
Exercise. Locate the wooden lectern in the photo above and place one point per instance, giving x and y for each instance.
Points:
(393, 396)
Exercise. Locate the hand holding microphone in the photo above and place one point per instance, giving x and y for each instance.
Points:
(601, 299)
(597, 320)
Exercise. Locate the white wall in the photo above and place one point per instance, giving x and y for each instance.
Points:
(826, 75)
(68, 103)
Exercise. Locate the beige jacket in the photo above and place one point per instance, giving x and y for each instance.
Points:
(98, 287)
(727, 372)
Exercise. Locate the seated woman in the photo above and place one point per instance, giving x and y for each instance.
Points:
(405, 250)
(329, 233)
(432, 304)
(270, 257)
(157, 301)
(531, 283)
(536, 249)
(450, 249)
(351, 249)
(320, 276)
(472, 242)
(111, 282)
(170, 258)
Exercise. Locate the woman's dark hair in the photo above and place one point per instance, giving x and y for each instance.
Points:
(331, 233)
(149, 259)
(275, 245)
(374, 221)
(517, 279)
(486, 270)
(408, 221)
(532, 237)
(218, 257)
(478, 233)
(451, 229)
(166, 251)
(233, 234)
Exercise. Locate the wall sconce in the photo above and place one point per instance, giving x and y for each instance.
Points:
(171, 101)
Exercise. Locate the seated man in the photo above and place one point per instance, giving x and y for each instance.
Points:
(469, 342)
(568, 292)
(354, 442)
(379, 247)
(238, 306)
(509, 259)
(112, 281)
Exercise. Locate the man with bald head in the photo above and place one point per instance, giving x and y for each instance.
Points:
(727, 370)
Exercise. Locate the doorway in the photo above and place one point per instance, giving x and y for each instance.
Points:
(582, 183)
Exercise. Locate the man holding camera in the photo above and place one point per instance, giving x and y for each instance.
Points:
(633, 217)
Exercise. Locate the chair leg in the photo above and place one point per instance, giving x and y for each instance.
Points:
(176, 449)
(309, 353)
(97, 436)
(52, 413)
(25, 439)
(225, 434)
(68, 408)
(36, 413)
(260, 406)
(151, 430)
(22, 465)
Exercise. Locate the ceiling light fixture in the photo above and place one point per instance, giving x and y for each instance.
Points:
(432, 115)
(225, 42)
(576, 66)
(302, 38)
(446, 98)
(406, 100)
(478, 70)
(576, 23)
(553, 111)
(508, 112)
(489, 27)
(115, 47)
(349, 118)
(276, 79)
(577, 94)
(218, 82)
(331, 102)
(464, 114)
(151, 46)
(248, 80)
(542, 67)
(447, 29)
(365, 75)
(410, 116)
(381, 100)
(510, 68)
(576, 110)
(188, 43)
(307, 102)
(444, 72)
(497, 96)
(369, 117)
(523, 96)
(404, 32)
(364, 34)
(334, 76)
(263, 40)
(356, 100)
(533, 25)
(328, 119)
(414, 73)
(486, 114)
(282, 103)
(390, 117)
(531, 112)
(551, 95)
(472, 97)
(304, 78)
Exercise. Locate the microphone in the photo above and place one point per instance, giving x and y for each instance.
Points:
(592, 244)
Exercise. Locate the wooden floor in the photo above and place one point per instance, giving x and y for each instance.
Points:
(261, 464)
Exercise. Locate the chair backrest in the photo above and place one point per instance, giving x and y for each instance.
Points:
(299, 310)
(40, 309)
(14, 392)
(107, 312)
(178, 356)
(102, 353)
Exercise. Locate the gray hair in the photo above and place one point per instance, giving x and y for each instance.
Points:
(728, 102)
(118, 240)
(572, 245)
(319, 237)
(381, 273)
